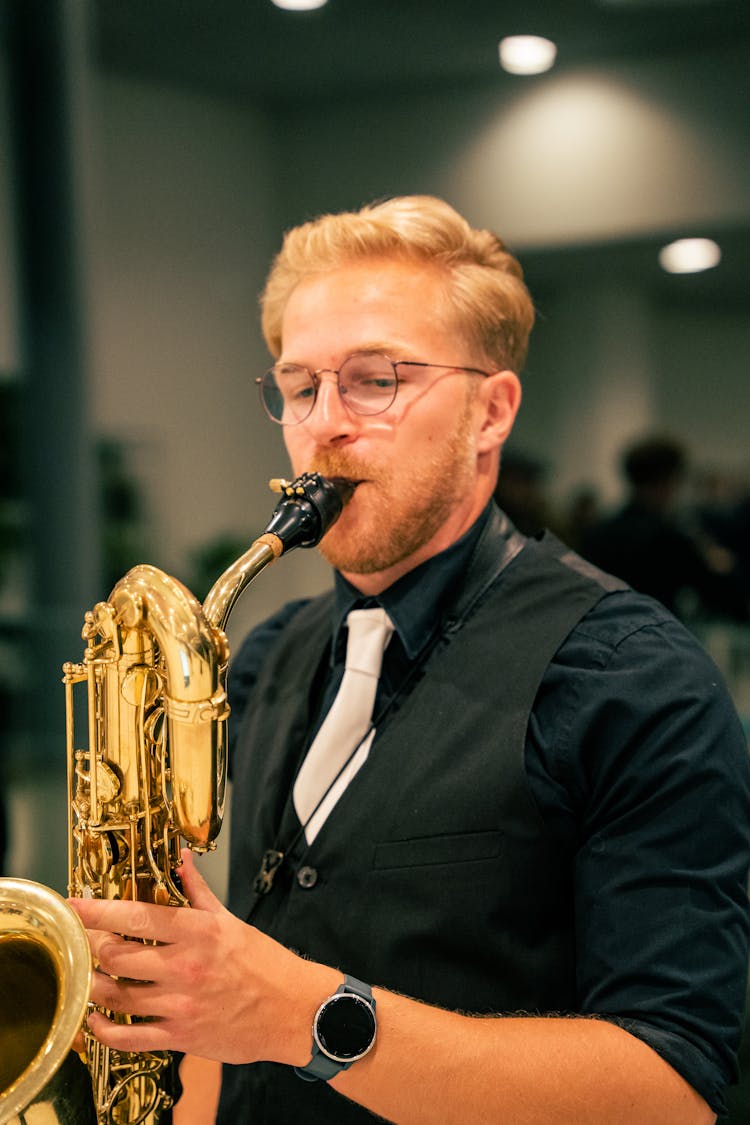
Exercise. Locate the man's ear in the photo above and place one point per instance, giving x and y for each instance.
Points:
(500, 397)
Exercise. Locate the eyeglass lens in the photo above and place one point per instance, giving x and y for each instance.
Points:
(367, 382)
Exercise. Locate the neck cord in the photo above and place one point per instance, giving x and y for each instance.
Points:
(274, 858)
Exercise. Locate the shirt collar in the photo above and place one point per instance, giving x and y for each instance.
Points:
(415, 602)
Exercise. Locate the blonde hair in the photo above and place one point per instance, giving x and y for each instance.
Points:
(484, 282)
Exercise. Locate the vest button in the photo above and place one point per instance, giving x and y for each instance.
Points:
(307, 877)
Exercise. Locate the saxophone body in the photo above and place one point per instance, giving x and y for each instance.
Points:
(151, 774)
(153, 676)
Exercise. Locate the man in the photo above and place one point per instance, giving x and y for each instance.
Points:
(536, 868)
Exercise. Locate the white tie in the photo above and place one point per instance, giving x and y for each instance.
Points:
(338, 749)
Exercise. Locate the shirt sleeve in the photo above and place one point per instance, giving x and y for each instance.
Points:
(637, 756)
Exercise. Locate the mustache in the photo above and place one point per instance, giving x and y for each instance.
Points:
(338, 463)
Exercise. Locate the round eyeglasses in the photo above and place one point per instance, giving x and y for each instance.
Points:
(368, 383)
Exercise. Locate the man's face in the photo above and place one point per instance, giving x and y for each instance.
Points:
(423, 466)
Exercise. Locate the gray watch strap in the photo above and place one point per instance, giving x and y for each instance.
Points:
(322, 1067)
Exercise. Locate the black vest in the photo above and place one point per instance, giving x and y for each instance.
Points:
(434, 875)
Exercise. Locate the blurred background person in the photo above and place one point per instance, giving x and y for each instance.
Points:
(577, 515)
(645, 543)
(722, 513)
(521, 491)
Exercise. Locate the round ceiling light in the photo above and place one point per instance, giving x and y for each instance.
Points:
(299, 5)
(526, 54)
(689, 255)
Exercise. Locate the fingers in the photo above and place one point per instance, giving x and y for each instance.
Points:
(153, 1036)
(139, 997)
(119, 957)
(124, 976)
(195, 886)
(132, 919)
(144, 919)
(127, 998)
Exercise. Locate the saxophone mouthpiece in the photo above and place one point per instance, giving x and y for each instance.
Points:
(310, 504)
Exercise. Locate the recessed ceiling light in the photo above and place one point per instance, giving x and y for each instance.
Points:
(299, 5)
(689, 255)
(526, 54)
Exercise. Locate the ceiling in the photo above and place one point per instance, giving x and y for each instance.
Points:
(251, 48)
(635, 263)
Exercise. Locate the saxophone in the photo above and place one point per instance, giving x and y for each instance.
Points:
(153, 774)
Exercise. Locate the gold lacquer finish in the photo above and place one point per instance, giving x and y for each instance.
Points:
(45, 972)
(153, 773)
(149, 773)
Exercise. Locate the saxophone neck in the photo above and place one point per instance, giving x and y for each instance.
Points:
(224, 593)
(309, 506)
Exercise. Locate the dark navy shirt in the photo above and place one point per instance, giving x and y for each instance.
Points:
(637, 761)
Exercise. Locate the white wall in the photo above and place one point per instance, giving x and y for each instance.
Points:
(590, 385)
(598, 154)
(571, 156)
(184, 237)
(180, 248)
(704, 383)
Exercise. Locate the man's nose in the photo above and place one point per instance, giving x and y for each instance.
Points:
(330, 419)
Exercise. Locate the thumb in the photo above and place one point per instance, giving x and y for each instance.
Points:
(195, 886)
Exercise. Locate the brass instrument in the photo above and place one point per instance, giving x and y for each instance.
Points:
(45, 973)
(155, 668)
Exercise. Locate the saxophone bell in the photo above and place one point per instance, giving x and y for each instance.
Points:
(45, 970)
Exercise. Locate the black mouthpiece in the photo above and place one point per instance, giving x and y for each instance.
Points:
(310, 505)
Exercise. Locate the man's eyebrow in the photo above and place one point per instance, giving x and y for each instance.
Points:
(390, 349)
(375, 346)
(398, 353)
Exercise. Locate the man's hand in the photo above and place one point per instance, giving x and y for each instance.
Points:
(211, 985)
(216, 987)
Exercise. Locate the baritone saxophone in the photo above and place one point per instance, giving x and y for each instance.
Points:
(153, 773)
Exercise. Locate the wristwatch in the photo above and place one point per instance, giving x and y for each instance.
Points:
(343, 1031)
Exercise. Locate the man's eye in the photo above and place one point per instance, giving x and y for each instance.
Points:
(379, 382)
(294, 385)
(373, 380)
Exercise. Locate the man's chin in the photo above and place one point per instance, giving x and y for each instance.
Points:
(343, 553)
(355, 547)
(349, 548)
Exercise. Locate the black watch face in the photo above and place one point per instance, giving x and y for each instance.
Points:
(345, 1027)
